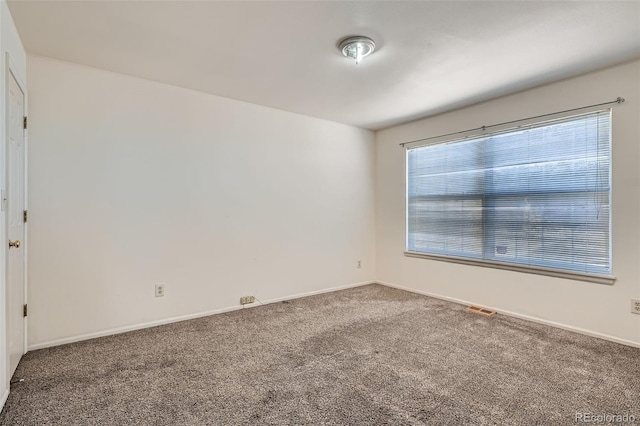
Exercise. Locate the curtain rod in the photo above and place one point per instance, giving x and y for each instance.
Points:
(618, 100)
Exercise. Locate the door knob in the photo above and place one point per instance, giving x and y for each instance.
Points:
(15, 244)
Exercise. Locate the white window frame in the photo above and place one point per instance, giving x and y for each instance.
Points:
(559, 273)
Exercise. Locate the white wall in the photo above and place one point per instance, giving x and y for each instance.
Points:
(594, 308)
(9, 43)
(134, 182)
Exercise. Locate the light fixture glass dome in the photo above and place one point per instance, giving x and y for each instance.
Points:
(357, 47)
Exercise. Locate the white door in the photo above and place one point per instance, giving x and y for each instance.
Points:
(15, 217)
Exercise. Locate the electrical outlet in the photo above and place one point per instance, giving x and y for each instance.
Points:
(245, 300)
(159, 290)
(635, 306)
(359, 264)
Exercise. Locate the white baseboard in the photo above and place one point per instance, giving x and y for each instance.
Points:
(119, 330)
(3, 399)
(312, 293)
(520, 316)
(127, 328)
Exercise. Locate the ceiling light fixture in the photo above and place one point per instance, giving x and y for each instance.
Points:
(357, 47)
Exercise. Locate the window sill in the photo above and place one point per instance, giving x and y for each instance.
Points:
(592, 278)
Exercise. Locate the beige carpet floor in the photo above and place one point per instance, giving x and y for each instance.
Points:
(365, 356)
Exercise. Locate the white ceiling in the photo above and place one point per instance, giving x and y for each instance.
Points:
(431, 57)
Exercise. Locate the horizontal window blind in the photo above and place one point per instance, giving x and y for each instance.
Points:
(536, 196)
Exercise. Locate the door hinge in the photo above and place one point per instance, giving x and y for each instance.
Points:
(24, 216)
(25, 122)
(24, 310)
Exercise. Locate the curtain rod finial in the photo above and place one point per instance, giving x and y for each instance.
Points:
(620, 100)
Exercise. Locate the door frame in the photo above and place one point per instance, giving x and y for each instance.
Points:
(11, 72)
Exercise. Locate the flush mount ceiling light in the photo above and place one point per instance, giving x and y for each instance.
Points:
(357, 47)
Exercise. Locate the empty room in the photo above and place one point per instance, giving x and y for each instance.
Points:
(319, 212)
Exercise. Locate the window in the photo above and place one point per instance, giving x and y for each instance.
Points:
(533, 197)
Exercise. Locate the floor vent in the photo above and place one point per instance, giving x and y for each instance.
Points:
(481, 311)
